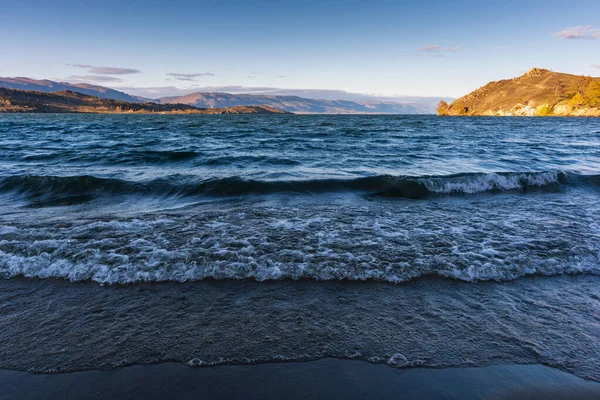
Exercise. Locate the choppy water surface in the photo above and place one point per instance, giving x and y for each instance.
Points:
(124, 199)
(292, 233)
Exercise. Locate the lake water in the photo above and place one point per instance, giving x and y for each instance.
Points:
(355, 200)
(121, 199)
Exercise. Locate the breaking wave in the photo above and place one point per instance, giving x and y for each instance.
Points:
(495, 239)
(45, 190)
(89, 262)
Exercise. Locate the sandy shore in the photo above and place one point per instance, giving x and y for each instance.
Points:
(322, 379)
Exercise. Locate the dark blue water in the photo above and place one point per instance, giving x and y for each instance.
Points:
(122, 199)
(494, 221)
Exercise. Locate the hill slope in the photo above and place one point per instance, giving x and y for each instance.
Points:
(290, 103)
(295, 104)
(20, 101)
(539, 92)
(48, 86)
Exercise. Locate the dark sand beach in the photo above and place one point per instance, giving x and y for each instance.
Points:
(322, 379)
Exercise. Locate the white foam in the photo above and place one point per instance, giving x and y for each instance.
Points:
(393, 245)
(486, 182)
(196, 362)
(398, 360)
(6, 229)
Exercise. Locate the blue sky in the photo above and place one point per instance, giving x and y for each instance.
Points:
(388, 48)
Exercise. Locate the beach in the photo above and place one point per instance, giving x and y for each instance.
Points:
(323, 379)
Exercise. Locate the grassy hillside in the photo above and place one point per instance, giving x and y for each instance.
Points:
(20, 101)
(539, 92)
(48, 86)
(289, 103)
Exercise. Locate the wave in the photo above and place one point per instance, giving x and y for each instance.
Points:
(74, 189)
(171, 267)
(155, 157)
(134, 251)
(246, 160)
(158, 157)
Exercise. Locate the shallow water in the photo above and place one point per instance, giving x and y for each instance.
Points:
(59, 326)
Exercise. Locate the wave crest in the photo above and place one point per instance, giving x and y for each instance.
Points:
(73, 189)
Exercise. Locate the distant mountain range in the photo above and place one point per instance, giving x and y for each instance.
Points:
(540, 92)
(66, 101)
(48, 86)
(294, 104)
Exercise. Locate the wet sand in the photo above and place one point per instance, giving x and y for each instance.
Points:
(322, 379)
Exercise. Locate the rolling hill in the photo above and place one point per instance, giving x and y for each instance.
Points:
(290, 103)
(65, 101)
(540, 92)
(295, 104)
(48, 86)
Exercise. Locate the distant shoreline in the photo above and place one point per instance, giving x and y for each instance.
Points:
(17, 101)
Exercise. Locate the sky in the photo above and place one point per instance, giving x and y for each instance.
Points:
(383, 48)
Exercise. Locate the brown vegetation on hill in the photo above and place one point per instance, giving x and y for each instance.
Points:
(539, 92)
(20, 101)
(360, 104)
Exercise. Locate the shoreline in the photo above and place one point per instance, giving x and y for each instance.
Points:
(60, 326)
(320, 379)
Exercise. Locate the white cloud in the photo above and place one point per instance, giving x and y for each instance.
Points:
(107, 70)
(579, 32)
(93, 78)
(436, 50)
(188, 77)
